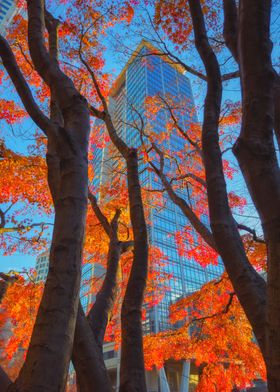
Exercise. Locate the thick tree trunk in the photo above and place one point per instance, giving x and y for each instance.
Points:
(132, 374)
(248, 285)
(87, 358)
(49, 352)
(231, 27)
(5, 381)
(48, 356)
(277, 109)
(256, 155)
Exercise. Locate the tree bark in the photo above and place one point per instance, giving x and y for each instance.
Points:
(98, 315)
(88, 359)
(49, 352)
(5, 381)
(248, 285)
(255, 152)
(231, 27)
(48, 356)
(277, 109)
(132, 373)
(132, 359)
(21, 86)
(87, 353)
(47, 361)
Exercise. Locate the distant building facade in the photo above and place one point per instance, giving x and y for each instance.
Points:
(42, 266)
(7, 12)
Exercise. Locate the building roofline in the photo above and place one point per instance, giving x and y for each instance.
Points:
(144, 43)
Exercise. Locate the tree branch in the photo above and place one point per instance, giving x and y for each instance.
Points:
(231, 27)
(179, 201)
(46, 63)
(96, 113)
(23, 90)
(2, 219)
(180, 129)
(176, 60)
(4, 230)
(52, 25)
(189, 175)
(99, 214)
(36, 41)
(251, 231)
(95, 83)
(223, 311)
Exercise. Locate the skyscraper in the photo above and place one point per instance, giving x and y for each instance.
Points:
(147, 74)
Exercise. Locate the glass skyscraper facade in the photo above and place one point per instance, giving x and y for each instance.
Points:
(144, 76)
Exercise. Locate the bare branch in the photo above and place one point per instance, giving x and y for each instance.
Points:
(176, 60)
(179, 201)
(180, 129)
(95, 83)
(24, 55)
